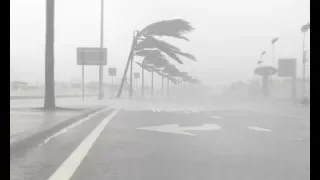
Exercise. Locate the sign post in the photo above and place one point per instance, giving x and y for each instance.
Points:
(288, 68)
(112, 73)
(82, 82)
(92, 57)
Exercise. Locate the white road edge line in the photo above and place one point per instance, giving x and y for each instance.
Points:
(69, 166)
(72, 126)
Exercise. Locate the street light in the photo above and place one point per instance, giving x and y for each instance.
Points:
(273, 41)
(101, 47)
(304, 29)
(263, 53)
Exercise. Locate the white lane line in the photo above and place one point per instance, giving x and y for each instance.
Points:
(72, 126)
(69, 166)
(259, 129)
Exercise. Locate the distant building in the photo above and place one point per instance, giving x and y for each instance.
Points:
(15, 85)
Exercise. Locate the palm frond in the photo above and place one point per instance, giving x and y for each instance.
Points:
(170, 50)
(149, 53)
(172, 79)
(157, 62)
(183, 74)
(187, 55)
(187, 78)
(145, 67)
(170, 69)
(172, 28)
(158, 71)
(195, 81)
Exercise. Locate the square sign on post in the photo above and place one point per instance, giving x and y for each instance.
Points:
(136, 75)
(112, 72)
(92, 56)
(287, 67)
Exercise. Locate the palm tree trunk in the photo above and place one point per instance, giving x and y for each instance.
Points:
(131, 85)
(49, 99)
(130, 58)
(152, 83)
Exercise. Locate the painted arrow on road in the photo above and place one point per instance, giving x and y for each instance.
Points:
(176, 129)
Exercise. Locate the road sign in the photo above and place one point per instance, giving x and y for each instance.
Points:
(91, 56)
(112, 71)
(136, 75)
(287, 67)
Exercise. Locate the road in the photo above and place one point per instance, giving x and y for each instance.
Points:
(154, 144)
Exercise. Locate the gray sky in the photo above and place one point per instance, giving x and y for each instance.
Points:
(228, 40)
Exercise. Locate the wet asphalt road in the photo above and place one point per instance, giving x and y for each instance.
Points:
(122, 151)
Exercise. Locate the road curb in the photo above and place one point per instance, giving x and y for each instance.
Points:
(42, 97)
(33, 139)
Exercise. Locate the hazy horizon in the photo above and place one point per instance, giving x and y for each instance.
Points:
(228, 38)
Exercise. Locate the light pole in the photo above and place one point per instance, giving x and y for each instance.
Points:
(263, 53)
(304, 29)
(273, 41)
(101, 47)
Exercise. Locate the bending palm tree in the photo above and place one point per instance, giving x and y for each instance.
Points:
(49, 99)
(151, 57)
(145, 40)
(160, 70)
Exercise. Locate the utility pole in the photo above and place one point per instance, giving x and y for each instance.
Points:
(304, 29)
(49, 100)
(101, 89)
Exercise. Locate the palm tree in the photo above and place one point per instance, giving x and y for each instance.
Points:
(143, 67)
(160, 68)
(151, 58)
(171, 72)
(49, 99)
(145, 40)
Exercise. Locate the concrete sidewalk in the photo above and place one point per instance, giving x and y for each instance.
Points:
(26, 120)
